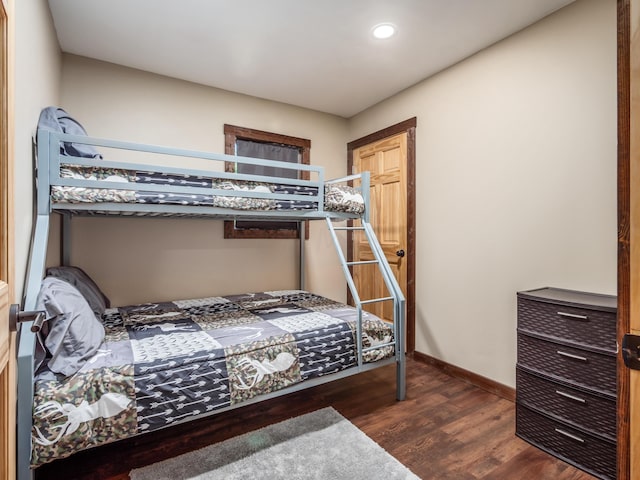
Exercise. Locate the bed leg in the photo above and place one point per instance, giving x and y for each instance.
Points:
(401, 381)
(26, 347)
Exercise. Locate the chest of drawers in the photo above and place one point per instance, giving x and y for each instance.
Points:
(566, 376)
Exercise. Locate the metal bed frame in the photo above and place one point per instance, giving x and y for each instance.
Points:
(47, 174)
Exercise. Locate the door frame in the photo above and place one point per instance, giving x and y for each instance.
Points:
(7, 362)
(625, 222)
(409, 127)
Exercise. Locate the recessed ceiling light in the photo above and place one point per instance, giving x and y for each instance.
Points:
(384, 30)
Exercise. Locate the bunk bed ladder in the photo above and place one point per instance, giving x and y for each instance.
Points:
(394, 294)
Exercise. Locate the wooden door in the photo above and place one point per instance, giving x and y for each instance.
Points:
(7, 339)
(386, 160)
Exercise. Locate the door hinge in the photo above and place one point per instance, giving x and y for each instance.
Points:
(631, 351)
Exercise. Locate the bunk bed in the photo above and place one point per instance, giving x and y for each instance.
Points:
(153, 362)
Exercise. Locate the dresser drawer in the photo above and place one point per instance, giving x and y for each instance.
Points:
(593, 413)
(573, 365)
(576, 325)
(587, 452)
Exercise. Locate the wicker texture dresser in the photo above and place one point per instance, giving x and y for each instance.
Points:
(566, 376)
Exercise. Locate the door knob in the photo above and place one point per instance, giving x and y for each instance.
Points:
(400, 253)
(16, 316)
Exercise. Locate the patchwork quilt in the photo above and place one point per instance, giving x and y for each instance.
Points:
(162, 363)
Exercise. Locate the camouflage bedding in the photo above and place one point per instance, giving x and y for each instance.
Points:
(167, 362)
(338, 198)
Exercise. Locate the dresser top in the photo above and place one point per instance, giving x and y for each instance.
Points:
(572, 297)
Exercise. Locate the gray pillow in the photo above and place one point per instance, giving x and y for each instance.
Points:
(98, 301)
(73, 333)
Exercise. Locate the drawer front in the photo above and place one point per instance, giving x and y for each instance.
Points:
(591, 412)
(576, 325)
(573, 365)
(584, 451)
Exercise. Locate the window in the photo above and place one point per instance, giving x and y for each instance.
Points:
(256, 143)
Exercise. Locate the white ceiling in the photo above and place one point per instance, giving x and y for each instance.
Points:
(317, 54)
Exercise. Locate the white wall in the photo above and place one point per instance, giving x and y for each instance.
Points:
(516, 167)
(37, 85)
(516, 181)
(160, 259)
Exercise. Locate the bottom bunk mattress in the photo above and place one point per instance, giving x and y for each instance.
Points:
(162, 363)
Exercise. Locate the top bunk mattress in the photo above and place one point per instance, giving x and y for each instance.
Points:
(96, 184)
(337, 198)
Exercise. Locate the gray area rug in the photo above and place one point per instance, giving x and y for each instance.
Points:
(318, 445)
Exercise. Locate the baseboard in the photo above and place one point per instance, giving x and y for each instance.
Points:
(479, 381)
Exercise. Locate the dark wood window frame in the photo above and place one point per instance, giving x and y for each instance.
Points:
(234, 133)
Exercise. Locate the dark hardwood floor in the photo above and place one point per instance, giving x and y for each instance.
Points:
(445, 429)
